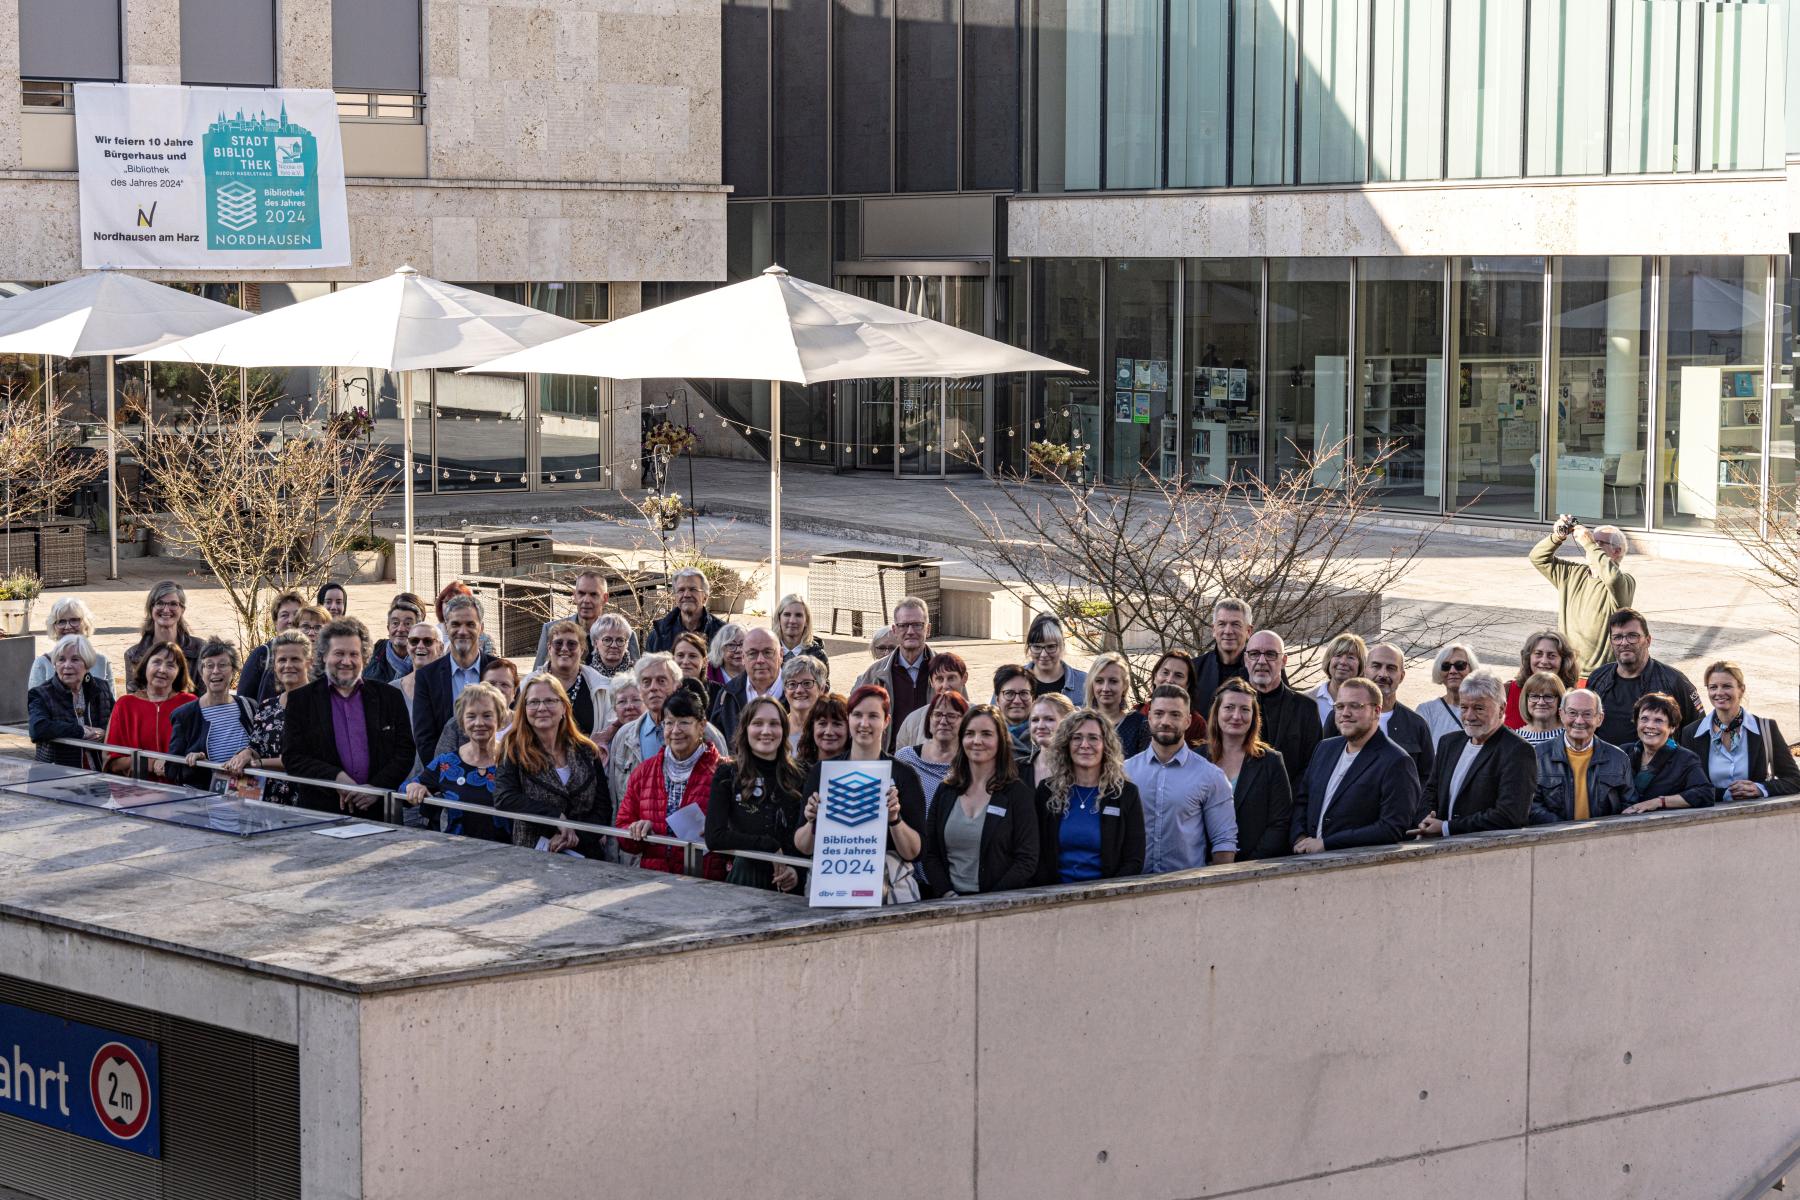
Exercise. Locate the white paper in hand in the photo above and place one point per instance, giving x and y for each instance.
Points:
(688, 823)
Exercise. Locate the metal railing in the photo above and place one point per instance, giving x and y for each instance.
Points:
(394, 804)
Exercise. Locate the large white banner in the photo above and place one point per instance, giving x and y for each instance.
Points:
(205, 178)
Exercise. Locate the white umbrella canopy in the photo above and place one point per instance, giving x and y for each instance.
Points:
(781, 329)
(404, 322)
(106, 314)
(776, 327)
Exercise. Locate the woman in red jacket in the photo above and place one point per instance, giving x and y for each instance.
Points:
(160, 684)
(679, 774)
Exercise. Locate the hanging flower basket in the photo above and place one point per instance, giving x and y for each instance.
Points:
(354, 425)
(663, 512)
(671, 439)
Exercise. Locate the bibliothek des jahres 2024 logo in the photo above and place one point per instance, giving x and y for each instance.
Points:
(262, 183)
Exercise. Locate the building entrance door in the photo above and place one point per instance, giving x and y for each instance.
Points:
(919, 426)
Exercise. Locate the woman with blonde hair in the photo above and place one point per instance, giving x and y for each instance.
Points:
(69, 615)
(1090, 820)
(1109, 686)
(1454, 663)
(468, 772)
(1346, 658)
(1047, 712)
(549, 769)
(793, 626)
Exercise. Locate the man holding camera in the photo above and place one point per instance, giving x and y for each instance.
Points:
(1590, 591)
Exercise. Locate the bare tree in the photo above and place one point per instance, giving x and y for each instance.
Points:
(266, 504)
(1139, 566)
(1769, 532)
(40, 467)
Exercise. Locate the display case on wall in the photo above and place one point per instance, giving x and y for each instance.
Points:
(1402, 407)
(1499, 415)
(1225, 442)
(1718, 459)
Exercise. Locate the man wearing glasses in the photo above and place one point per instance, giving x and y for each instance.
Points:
(1634, 673)
(1290, 720)
(590, 602)
(1361, 789)
(761, 677)
(904, 672)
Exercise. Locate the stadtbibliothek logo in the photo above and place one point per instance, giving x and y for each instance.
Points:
(262, 183)
(855, 799)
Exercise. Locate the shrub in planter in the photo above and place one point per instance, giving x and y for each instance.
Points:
(365, 559)
(17, 593)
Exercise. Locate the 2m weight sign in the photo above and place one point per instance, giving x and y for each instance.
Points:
(90, 1082)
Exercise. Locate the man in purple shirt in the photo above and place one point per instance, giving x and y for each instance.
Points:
(347, 729)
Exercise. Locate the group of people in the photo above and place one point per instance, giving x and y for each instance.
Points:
(1057, 776)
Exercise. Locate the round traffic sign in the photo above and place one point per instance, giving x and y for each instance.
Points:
(119, 1087)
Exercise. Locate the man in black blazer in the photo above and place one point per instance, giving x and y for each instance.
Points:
(1486, 775)
(439, 683)
(346, 729)
(1290, 720)
(1404, 727)
(1360, 789)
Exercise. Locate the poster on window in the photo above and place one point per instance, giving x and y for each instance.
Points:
(207, 178)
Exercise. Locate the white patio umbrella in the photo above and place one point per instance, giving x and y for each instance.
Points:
(781, 329)
(405, 322)
(106, 315)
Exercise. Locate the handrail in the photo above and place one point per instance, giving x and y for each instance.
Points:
(394, 802)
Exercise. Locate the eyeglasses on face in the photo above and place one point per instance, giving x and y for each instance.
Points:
(565, 644)
(1457, 664)
(1353, 706)
(421, 641)
(1015, 693)
(543, 702)
(1262, 654)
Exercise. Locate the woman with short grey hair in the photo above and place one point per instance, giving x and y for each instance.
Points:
(75, 702)
(804, 679)
(610, 639)
(69, 615)
(725, 655)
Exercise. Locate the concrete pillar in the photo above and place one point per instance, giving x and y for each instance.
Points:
(626, 443)
(152, 41)
(10, 150)
(303, 44)
(1624, 316)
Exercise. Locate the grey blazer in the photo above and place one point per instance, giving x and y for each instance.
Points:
(543, 794)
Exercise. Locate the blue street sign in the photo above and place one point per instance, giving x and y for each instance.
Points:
(87, 1081)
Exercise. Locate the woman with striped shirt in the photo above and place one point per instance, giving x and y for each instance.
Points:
(216, 726)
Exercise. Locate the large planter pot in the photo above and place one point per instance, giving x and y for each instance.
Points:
(15, 617)
(137, 547)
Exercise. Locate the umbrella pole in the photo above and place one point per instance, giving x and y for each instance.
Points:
(406, 472)
(112, 474)
(774, 492)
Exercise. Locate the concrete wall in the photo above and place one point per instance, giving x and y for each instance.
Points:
(1581, 1013)
(1602, 216)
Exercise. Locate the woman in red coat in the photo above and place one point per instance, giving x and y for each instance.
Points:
(160, 684)
(679, 774)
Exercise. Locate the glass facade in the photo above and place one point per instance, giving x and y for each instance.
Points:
(1130, 94)
(1507, 387)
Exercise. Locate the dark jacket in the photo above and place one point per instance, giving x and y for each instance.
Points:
(1209, 673)
(50, 710)
(1771, 761)
(1121, 835)
(187, 733)
(584, 798)
(309, 743)
(1496, 793)
(433, 705)
(1134, 733)
(1290, 723)
(816, 648)
(1674, 771)
(1375, 801)
(255, 670)
(1618, 694)
(728, 702)
(1009, 841)
(1408, 730)
(668, 627)
(379, 668)
(1609, 791)
(1264, 800)
(190, 649)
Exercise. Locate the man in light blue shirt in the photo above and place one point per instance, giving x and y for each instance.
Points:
(1189, 816)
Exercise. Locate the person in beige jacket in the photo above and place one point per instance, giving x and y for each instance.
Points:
(1588, 592)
